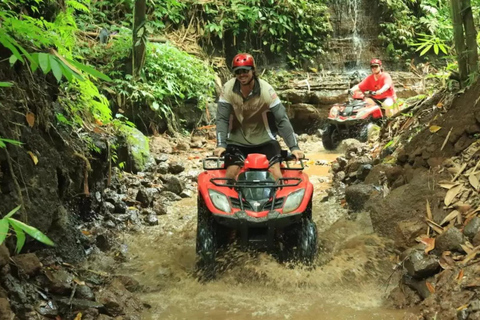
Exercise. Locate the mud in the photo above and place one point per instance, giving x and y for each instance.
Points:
(350, 280)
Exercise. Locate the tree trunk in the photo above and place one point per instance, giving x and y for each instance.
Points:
(459, 39)
(470, 36)
(139, 37)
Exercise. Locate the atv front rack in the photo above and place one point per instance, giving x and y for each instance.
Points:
(219, 161)
(232, 183)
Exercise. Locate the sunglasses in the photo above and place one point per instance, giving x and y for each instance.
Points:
(374, 66)
(241, 71)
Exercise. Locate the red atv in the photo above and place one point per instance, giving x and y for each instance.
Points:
(254, 210)
(351, 120)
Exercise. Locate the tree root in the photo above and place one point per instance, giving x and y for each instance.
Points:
(17, 186)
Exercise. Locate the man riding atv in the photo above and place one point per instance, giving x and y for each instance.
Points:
(380, 85)
(249, 115)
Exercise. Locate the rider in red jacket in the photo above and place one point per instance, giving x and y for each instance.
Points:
(381, 84)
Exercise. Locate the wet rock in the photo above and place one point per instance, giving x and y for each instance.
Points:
(476, 239)
(357, 195)
(60, 281)
(146, 195)
(5, 312)
(170, 196)
(340, 175)
(363, 171)
(27, 264)
(104, 242)
(192, 175)
(109, 224)
(163, 167)
(108, 207)
(104, 317)
(133, 215)
(176, 167)
(402, 297)
(449, 240)
(406, 231)
(138, 148)
(183, 146)
(342, 162)
(159, 158)
(47, 308)
(151, 220)
(350, 147)
(173, 184)
(377, 174)
(120, 207)
(420, 286)
(159, 207)
(420, 266)
(130, 283)
(90, 314)
(186, 193)
(472, 228)
(118, 300)
(4, 255)
(336, 167)
(474, 305)
(111, 196)
(77, 304)
(84, 292)
(132, 193)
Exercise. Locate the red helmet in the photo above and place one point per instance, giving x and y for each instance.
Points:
(243, 60)
(376, 61)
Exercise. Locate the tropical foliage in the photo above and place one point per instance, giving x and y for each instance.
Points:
(20, 229)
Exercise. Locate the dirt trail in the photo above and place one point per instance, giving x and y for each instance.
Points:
(349, 282)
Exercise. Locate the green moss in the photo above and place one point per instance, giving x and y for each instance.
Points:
(138, 147)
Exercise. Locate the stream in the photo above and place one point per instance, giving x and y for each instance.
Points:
(353, 274)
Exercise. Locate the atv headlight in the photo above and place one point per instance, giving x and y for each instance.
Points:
(293, 201)
(219, 200)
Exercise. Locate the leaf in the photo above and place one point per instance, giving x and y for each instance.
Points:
(447, 185)
(474, 181)
(32, 231)
(90, 70)
(451, 194)
(438, 229)
(33, 156)
(5, 84)
(452, 215)
(434, 129)
(429, 211)
(79, 316)
(425, 50)
(12, 59)
(460, 275)
(56, 69)
(11, 213)
(20, 236)
(429, 242)
(430, 287)
(30, 119)
(3, 230)
(44, 62)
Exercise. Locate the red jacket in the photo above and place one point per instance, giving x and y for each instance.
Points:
(372, 84)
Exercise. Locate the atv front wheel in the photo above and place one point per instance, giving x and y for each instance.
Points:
(307, 241)
(331, 137)
(206, 242)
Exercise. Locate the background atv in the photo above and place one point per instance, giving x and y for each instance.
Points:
(255, 211)
(350, 120)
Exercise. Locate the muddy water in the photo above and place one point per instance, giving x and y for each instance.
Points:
(349, 282)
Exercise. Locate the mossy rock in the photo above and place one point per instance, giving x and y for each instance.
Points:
(138, 148)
